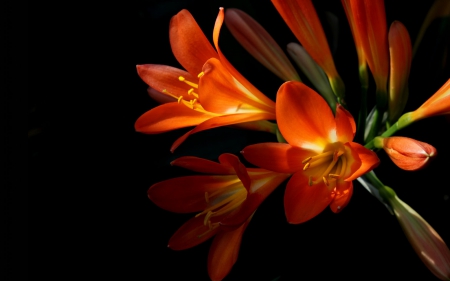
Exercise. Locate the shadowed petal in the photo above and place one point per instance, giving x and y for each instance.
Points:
(303, 202)
(187, 194)
(304, 118)
(190, 234)
(278, 157)
(202, 165)
(239, 168)
(224, 252)
(164, 78)
(189, 45)
(369, 160)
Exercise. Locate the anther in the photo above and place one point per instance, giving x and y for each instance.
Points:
(180, 98)
(208, 215)
(200, 74)
(190, 91)
(310, 181)
(306, 166)
(325, 180)
(334, 176)
(182, 79)
(306, 160)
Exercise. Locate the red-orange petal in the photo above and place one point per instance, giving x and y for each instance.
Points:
(224, 120)
(164, 78)
(187, 194)
(344, 191)
(345, 124)
(239, 168)
(369, 160)
(278, 157)
(220, 92)
(190, 234)
(304, 118)
(224, 252)
(167, 117)
(303, 202)
(202, 165)
(189, 44)
(263, 183)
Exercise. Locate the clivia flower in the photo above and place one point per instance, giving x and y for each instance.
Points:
(408, 154)
(320, 153)
(211, 93)
(224, 202)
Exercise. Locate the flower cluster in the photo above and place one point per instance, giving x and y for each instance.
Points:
(316, 142)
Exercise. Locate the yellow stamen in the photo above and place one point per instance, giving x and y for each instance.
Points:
(206, 219)
(200, 74)
(182, 79)
(190, 91)
(306, 166)
(310, 181)
(325, 180)
(334, 176)
(306, 160)
(206, 197)
(180, 98)
(211, 226)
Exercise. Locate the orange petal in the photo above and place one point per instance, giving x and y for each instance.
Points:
(304, 118)
(158, 96)
(369, 160)
(303, 202)
(278, 157)
(187, 194)
(167, 117)
(437, 104)
(220, 92)
(164, 78)
(344, 191)
(345, 124)
(202, 165)
(224, 252)
(189, 45)
(190, 234)
(252, 89)
(302, 19)
(219, 121)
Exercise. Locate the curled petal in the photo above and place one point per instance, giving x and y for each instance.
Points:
(369, 160)
(345, 124)
(302, 202)
(189, 45)
(278, 157)
(239, 168)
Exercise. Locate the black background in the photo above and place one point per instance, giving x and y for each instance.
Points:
(84, 146)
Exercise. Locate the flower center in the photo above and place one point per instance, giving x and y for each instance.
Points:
(327, 166)
(221, 202)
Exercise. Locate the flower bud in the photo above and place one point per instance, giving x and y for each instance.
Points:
(408, 154)
(427, 243)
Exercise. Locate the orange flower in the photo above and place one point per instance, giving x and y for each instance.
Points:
(320, 153)
(302, 19)
(437, 104)
(224, 201)
(211, 93)
(408, 154)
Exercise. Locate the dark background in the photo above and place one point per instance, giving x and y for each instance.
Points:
(82, 142)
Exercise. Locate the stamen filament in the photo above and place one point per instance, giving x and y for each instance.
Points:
(182, 79)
